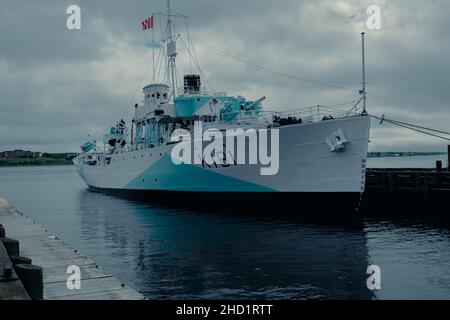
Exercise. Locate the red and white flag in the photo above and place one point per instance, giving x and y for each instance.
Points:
(147, 23)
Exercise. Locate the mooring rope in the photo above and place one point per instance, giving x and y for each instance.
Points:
(413, 127)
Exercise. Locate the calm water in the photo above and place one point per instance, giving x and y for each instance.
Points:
(177, 254)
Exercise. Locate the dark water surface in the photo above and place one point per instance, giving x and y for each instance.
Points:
(176, 253)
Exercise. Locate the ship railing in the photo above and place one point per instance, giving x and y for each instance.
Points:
(321, 112)
(200, 91)
(252, 118)
(306, 114)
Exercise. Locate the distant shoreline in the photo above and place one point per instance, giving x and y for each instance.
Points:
(52, 161)
(24, 162)
(374, 154)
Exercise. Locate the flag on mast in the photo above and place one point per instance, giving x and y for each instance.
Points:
(147, 23)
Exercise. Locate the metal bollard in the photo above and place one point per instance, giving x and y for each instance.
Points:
(20, 260)
(2, 231)
(11, 246)
(438, 165)
(32, 279)
(7, 270)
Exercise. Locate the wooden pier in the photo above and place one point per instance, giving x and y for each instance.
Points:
(406, 193)
(413, 180)
(13, 288)
(54, 256)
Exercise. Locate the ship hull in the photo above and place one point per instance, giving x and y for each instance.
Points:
(308, 168)
(289, 204)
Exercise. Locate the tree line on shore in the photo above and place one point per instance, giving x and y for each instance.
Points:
(45, 159)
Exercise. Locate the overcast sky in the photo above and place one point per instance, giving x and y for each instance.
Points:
(57, 86)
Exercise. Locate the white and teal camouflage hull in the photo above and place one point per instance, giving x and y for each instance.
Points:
(307, 164)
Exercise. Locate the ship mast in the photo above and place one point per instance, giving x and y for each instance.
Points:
(171, 50)
(363, 91)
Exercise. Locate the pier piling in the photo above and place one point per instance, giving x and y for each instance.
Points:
(32, 279)
(438, 165)
(407, 192)
(10, 286)
(20, 260)
(408, 180)
(11, 246)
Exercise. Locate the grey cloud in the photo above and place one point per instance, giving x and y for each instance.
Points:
(57, 86)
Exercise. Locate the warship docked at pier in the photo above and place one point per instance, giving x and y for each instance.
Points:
(322, 150)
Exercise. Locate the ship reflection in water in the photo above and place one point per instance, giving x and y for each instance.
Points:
(177, 254)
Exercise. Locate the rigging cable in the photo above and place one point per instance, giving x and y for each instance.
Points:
(133, 96)
(142, 77)
(262, 68)
(416, 126)
(413, 127)
(153, 52)
(194, 58)
(188, 36)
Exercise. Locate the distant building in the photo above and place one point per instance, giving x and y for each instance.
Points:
(20, 154)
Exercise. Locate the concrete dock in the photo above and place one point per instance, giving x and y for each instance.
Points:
(54, 256)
